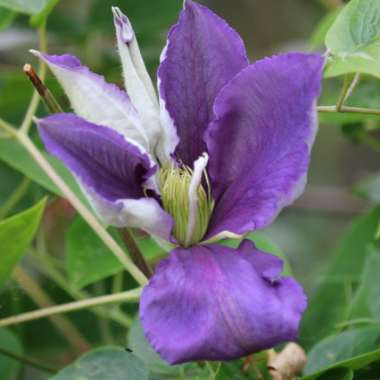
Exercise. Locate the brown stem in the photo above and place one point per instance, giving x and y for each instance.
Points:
(43, 91)
(134, 251)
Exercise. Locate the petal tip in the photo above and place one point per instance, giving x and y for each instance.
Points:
(36, 53)
(122, 25)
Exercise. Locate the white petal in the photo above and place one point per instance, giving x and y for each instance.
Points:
(144, 213)
(95, 100)
(169, 138)
(137, 81)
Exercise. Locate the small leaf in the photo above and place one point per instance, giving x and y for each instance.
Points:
(24, 6)
(352, 349)
(105, 363)
(88, 259)
(330, 305)
(9, 367)
(16, 233)
(354, 39)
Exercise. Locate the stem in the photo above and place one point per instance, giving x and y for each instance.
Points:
(107, 239)
(48, 98)
(135, 252)
(15, 197)
(349, 84)
(8, 128)
(128, 296)
(347, 109)
(33, 105)
(27, 361)
(40, 298)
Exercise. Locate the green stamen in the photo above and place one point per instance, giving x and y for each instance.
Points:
(174, 184)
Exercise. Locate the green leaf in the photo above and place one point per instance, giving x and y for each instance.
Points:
(354, 40)
(163, 371)
(88, 259)
(6, 18)
(24, 6)
(16, 233)
(330, 305)
(352, 349)
(338, 374)
(41, 17)
(15, 155)
(142, 349)
(9, 367)
(105, 363)
(367, 301)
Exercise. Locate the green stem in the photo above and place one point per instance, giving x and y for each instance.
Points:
(27, 361)
(8, 128)
(15, 197)
(128, 296)
(358, 321)
(350, 82)
(347, 109)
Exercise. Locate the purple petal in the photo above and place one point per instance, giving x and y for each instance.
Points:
(202, 55)
(260, 143)
(215, 303)
(101, 158)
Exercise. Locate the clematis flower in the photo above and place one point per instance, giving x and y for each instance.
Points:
(221, 150)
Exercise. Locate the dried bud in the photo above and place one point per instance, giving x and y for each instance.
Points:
(288, 363)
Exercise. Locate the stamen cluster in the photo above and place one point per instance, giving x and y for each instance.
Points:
(175, 185)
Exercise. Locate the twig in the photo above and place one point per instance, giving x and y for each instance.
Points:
(347, 109)
(27, 122)
(135, 253)
(349, 84)
(128, 296)
(40, 298)
(48, 98)
(27, 361)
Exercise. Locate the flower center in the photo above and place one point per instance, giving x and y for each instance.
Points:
(190, 208)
